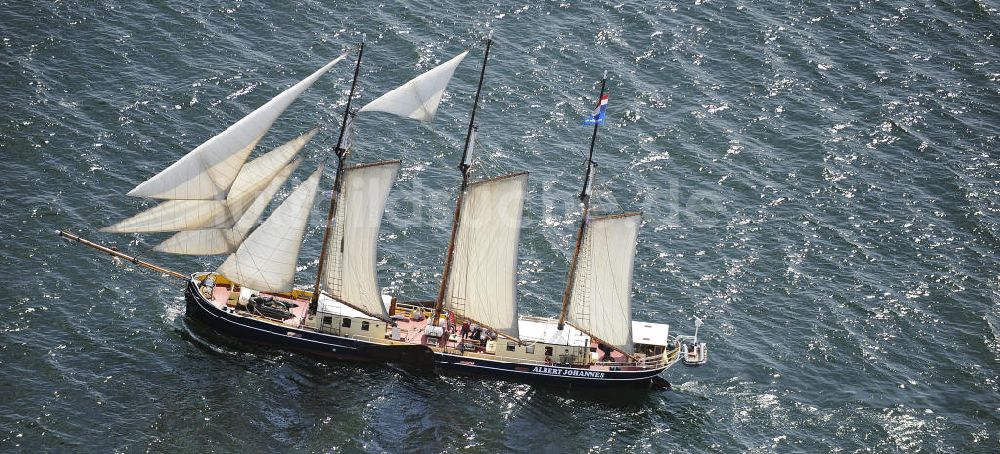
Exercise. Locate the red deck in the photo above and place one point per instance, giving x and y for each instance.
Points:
(221, 294)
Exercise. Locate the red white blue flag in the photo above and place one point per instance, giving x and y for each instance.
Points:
(597, 117)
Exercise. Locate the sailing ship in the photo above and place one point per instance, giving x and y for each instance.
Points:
(213, 199)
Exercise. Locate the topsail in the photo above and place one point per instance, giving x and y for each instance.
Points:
(419, 98)
(208, 171)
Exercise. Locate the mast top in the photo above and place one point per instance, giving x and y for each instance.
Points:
(341, 150)
(466, 163)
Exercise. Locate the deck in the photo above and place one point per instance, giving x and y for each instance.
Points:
(411, 329)
(223, 296)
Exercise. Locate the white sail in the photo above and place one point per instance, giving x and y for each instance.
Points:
(419, 98)
(482, 284)
(264, 168)
(179, 215)
(266, 259)
(601, 302)
(225, 241)
(349, 269)
(175, 215)
(208, 171)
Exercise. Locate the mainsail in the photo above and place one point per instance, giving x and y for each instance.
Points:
(349, 273)
(208, 171)
(225, 241)
(601, 302)
(419, 98)
(482, 284)
(266, 260)
(179, 215)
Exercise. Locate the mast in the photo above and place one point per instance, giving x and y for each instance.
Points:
(337, 183)
(463, 166)
(585, 198)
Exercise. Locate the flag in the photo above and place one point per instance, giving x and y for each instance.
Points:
(698, 322)
(597, 117)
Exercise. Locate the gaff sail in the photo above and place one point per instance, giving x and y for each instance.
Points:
(601, 302)
(349, 273)
(483, 280)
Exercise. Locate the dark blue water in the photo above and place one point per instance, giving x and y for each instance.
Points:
(820, 182)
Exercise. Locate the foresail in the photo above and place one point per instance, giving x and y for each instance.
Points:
(601, 302)
(208, 171)
(181, 215)
(419, 98)
(350, 270)
(225, 241)
(266, 260)
(175, 215)
(264, 168)
(482, 285)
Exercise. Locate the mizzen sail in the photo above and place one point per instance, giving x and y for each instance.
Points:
(483, 279)
(208, 171)
(419, 98)
(601, 302)
(349, 273)
(180, 215)
(266, 259)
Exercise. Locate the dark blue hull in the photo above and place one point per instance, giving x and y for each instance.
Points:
(548, 374)
(328, 345)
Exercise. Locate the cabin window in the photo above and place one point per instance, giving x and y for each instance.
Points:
(364, 326)
(529, 349)
(548, 351)
(346, 323)
(327, 320)
(510, 346)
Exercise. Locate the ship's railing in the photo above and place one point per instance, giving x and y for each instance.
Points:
(407, 308)
(373, 338)
(647, 362)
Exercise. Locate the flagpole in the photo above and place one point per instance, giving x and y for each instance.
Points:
(464, 166)
(585, 198)
(593, 140)
(337, 183)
